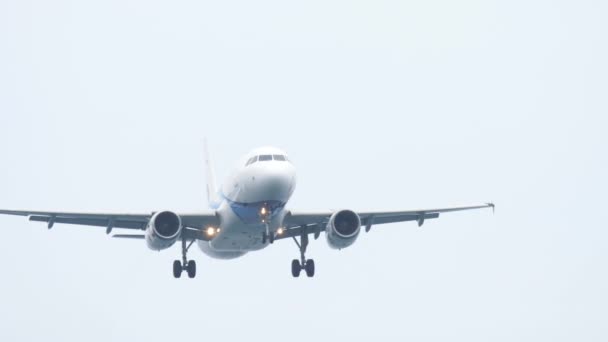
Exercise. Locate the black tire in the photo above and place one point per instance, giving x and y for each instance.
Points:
(271, 238)
(191, 269)
(310, 268)
(295, 268)
(177, 269)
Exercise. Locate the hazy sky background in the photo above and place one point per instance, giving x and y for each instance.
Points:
(380, 104)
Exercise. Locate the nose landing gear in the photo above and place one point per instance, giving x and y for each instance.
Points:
(184, 265)
(267, 235)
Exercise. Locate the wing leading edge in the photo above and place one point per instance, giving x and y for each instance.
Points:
(139, 221)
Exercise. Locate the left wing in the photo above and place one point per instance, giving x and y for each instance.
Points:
(297, 224)
(110, 221)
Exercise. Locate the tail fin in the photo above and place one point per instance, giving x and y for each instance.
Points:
(213, 197)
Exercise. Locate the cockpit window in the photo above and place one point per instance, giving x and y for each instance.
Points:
(266, 157)
(251, 160)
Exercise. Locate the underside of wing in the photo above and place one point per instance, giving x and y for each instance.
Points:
(193, 221)
(315, 222)
(108, 220)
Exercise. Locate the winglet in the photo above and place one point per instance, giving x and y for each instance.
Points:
(212, 193)
(491, 205)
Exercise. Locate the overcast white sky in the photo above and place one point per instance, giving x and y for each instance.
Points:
(381, 105)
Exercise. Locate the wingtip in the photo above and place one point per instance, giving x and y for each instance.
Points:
(491, 205)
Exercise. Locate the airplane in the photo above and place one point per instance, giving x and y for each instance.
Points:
(247, 213)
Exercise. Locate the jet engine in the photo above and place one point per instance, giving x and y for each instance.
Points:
(163, 230)
(343, 229)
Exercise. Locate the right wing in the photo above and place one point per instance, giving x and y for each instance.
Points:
(193, 223)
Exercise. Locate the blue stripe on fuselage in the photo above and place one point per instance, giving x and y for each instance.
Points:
(250, 212)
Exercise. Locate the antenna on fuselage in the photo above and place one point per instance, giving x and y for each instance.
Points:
(213, 197)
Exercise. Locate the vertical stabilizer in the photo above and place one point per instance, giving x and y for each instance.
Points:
(213, 197)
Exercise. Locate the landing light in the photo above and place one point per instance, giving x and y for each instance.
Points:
(280, 231)
(263, 211)
(211, 231)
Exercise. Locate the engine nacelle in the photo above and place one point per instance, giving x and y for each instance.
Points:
(343, 229)
(163, 230)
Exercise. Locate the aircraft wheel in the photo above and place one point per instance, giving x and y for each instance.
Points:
(191, 269)
(295, 268)
(310, 268)
(177, 269)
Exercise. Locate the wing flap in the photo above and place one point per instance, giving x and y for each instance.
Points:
(371, 219)
(88, 221)
(129, 236)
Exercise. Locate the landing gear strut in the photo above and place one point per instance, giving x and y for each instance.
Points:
(184, 265)
(268, 235)
(298, 265)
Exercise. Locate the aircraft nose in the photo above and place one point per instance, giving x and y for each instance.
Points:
(275, 185)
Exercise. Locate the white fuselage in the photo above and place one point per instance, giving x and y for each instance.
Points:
(252, 203)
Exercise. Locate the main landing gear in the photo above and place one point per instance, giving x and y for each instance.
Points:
(184, 265)
(298, 265)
